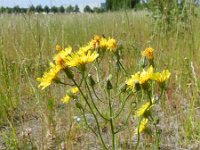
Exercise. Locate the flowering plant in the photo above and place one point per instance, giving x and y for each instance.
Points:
(95, 86)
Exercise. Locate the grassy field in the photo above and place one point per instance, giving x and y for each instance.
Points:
(35, 119)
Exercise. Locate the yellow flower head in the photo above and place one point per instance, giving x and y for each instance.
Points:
(140, 112)
(84, 49)
(95, 42)
(140, 77)
(161, 77)
(145, 75)
(133, 80)
(70, 94)
(74, 90)
(142, 126)
(103, 43)
(111, 44)
(49, 76)
(76, 59)
(58, 48)
(148, 53)
(66, 99)
(61, 56)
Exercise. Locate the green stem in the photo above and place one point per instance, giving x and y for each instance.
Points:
(87, 124)
(124, 102)
(125, 125)
(138, 133)
(111, 121)
(93, 102)
(138, 141)
(161, 99)
(95, 94)
(126, 73)
(95, 117)
(157, 139)
(81, 80)
(60, 82)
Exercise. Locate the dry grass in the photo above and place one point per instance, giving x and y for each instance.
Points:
(27, 43)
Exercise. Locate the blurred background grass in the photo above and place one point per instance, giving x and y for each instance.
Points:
(27, 43)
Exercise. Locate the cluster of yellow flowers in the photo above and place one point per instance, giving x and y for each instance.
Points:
(139, 80)
(103, 43)
(66, 58)
(146, 75)
(140, 77)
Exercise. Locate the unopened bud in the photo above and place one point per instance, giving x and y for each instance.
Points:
(79, 105)
(156, 120)
(57, 80)
(137, 86)
(91, 80)
(109, 85)
(162, 85)
(151, 62)
(70, 94)
(69, 73)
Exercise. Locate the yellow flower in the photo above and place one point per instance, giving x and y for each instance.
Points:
(140, 77)
(146, 75)
(161, 77)
(148, 53)
(70, 94)
(58, 48)
(111, 44)
(66, 99)
(74, 90)
(84, 49)
(95, 42)
(141, 127)
(103, 43)
(49, 76)
(61, 56)
(76, 59)
(133, 80)
(140, 112)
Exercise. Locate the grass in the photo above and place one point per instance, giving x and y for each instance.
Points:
(27, 43)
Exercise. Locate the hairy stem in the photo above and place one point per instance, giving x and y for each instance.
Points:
(94, 115)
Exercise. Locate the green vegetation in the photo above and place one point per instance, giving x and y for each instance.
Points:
(40, 9)
(119, 4)
(35, 119)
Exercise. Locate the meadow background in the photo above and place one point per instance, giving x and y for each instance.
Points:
(35, 119)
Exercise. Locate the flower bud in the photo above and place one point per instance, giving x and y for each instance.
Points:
(137, 86)
(72, 95)
(56, 80)
(91, 80)
(147, 113)
(156, 120)
(79, 105)
(109, 85)
(151, 62)
(69, 73)
(162, 85)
